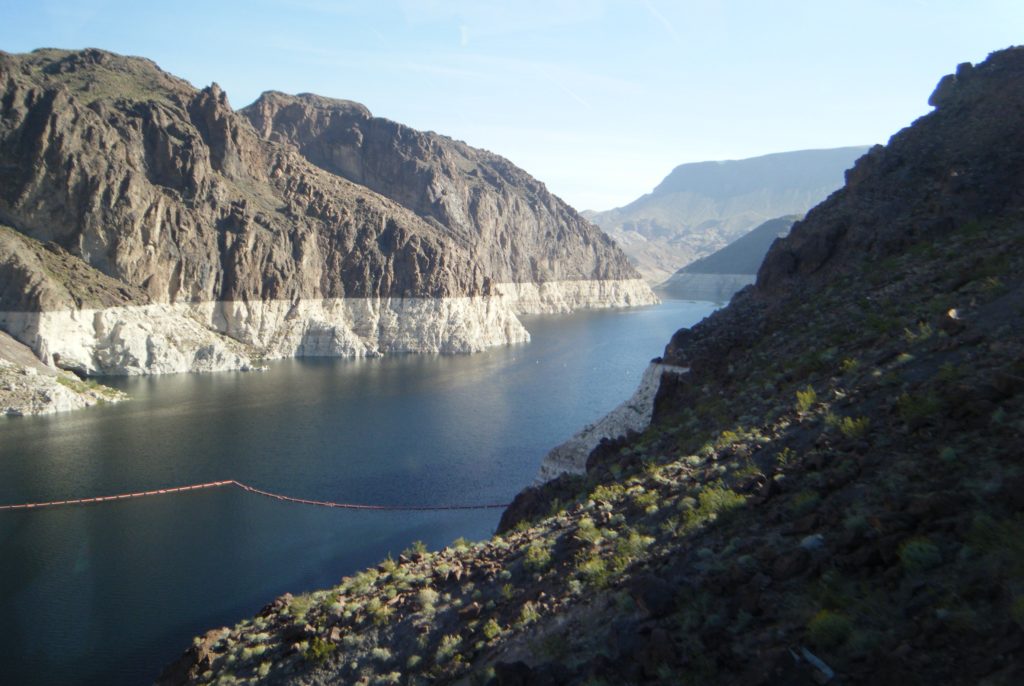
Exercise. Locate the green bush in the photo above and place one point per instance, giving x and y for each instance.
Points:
(587, 531)
(919, 555)
(805, 399)
(491, 629)
(913, 409)
(1017, 610)
(849, 365)
(448, 648)
(717, 499)
(854, 428)
(529, 614)
(538, 557)
(828, 629)
(427, 598)
(319, 650)
(594, 571)
(804, 502)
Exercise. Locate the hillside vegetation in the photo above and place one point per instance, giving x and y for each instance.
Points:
(833, 494)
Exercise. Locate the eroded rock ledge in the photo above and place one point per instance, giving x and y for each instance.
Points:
(214, 336)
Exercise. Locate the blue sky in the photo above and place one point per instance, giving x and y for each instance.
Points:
(599, 99)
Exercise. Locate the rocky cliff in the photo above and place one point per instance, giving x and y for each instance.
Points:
(223, 242)
(831, 494)
(703, 206)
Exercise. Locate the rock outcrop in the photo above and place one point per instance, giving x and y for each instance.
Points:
(209, 242)
(29, 387)
(831, 494)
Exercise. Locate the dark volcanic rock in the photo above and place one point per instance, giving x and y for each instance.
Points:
(962, 162)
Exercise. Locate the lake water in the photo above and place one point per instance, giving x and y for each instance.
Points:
(110, 593)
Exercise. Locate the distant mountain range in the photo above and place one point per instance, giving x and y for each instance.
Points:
(703, 206)
(716, 277)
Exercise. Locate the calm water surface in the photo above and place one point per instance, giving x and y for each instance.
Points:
(110, 593)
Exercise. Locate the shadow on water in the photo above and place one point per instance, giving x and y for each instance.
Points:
(110, 593)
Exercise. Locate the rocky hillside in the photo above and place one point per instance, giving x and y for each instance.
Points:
(831, 494)
(701, 207)
(716, 277)
(517, 231)
(261, 241)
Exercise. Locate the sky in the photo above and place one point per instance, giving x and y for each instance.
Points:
(599, 99)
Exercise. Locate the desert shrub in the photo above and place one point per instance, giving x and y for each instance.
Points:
(923, 332)
(378, 611)
(538, 557)
(828, 629)
(785, 457)
(587, 531)
(529, 614)
(299, 606)
(427, 598)
(805, 501)
(319, 650)
(448, 648)
(388, 565)
(854, 428)
(491, 629)
(633, 546)
(918, 555)
(805, 399)
(594, 571)
(914, 409)
(718, 499)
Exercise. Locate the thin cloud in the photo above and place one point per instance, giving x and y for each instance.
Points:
(663, 20)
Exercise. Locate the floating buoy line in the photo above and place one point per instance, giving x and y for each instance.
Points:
(248, 489)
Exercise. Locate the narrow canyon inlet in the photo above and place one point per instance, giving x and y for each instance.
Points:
(108, 593)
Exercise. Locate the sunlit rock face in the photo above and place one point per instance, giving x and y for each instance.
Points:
(151, 228)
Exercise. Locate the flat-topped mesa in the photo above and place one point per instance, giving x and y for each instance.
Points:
(165, 189)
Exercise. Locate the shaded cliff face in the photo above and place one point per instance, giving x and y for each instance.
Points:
(515, 229)
(830, 493)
